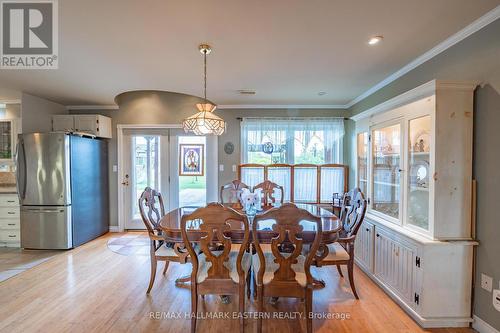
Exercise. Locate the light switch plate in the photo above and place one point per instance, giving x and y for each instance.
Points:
(486, 282)
(221, 167)
(115, 168)
(234, 167)
(496, 299)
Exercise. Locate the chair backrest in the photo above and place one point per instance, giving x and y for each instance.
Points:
(212, 222)
(151, 208)
(353, 211)
(233, 191)
(287, 227)
(269, 190)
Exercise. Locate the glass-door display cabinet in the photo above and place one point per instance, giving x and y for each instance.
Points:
(7, 140)
(414, 163)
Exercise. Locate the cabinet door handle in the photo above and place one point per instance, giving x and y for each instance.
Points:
(11, 213)
(11, 201)
(11, 224)
(12, 236)
(367, 229)
(378, 235)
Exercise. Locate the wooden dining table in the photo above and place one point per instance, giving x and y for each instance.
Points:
(170, 225)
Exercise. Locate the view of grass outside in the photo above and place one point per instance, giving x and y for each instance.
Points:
(192, 182)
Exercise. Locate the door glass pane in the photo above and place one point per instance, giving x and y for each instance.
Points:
(5, 140)
(363, 162)
(418, 176)
(192, 178)
(146, 166)
(386, 164)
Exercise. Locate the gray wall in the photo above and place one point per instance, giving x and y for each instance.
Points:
(150, 107)
(37, 113)
(475, 58)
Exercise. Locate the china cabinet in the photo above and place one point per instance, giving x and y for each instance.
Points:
(414, 164)
(8, 134)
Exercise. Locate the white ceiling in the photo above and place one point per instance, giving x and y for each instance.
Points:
(286, 50)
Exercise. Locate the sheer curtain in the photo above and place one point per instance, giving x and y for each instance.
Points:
(252, 176)
(332, 181)
(281, 176)
(305, 184)
(293, 140)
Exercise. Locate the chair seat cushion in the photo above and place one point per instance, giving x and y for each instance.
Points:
(165, 251)
(336, 252)
(204, 265)
(271, 267)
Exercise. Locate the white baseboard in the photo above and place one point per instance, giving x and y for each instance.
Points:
(482, 327)
(114, 228)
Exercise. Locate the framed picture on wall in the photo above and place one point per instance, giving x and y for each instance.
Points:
(191, 159)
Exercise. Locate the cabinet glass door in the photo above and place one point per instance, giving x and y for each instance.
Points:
(386, 168)
(363, 162)
(5, 140)
(419, 140)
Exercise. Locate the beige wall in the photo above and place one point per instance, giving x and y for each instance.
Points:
(475, 58)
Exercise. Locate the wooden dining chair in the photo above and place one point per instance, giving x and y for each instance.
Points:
(342, 252)
(269, 190)
(220, 271)
(152, 210)
(282, 274)
(233, 190)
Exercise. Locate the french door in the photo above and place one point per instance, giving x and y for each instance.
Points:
(155, 158)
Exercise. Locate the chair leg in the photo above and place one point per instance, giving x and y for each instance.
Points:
(260, 307)
(166, 267)
(194, 307)
(340, 271)
(241, 301)
(350, 270)
(153, 273)
(308, 305)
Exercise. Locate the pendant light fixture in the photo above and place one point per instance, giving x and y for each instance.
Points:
(205, 121)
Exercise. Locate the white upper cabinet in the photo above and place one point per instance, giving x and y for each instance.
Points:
(418, 176)
(97, 125)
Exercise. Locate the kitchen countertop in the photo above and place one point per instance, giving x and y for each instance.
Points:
(8, 189)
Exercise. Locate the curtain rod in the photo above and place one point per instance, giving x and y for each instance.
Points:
(288, 118)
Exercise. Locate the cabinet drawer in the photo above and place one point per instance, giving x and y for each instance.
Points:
(10, 224)
(9, 200)
(9, 212)
(10, 235)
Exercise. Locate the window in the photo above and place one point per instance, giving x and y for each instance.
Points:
(292, 140)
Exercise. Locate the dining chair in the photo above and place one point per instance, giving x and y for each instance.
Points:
(220, 271)
(152, 210)
(282, 274)
(269, 190)
(233, 193)
(342, 252)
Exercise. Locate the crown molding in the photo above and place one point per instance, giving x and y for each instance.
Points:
(422, 91)
(92, 107)
(475, 26)
(279, 106)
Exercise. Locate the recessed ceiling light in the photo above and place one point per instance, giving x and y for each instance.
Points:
(375, 40)
(321, 93)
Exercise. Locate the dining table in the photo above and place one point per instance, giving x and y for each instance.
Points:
(170, 225)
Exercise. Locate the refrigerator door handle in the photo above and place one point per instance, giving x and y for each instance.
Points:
(55, 210)
(21, 170)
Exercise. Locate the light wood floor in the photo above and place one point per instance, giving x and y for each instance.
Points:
(92, 289)
(14, 260)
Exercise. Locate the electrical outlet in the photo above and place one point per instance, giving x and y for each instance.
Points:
(496, 299)
(221, 167)
(486, 282)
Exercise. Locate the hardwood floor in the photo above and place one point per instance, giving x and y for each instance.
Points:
(93, 289)
(14, 260)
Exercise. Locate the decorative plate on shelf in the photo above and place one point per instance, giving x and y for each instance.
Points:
(421, 142)
(419, 174)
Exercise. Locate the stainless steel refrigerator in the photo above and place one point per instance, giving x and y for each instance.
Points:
(63, 189)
